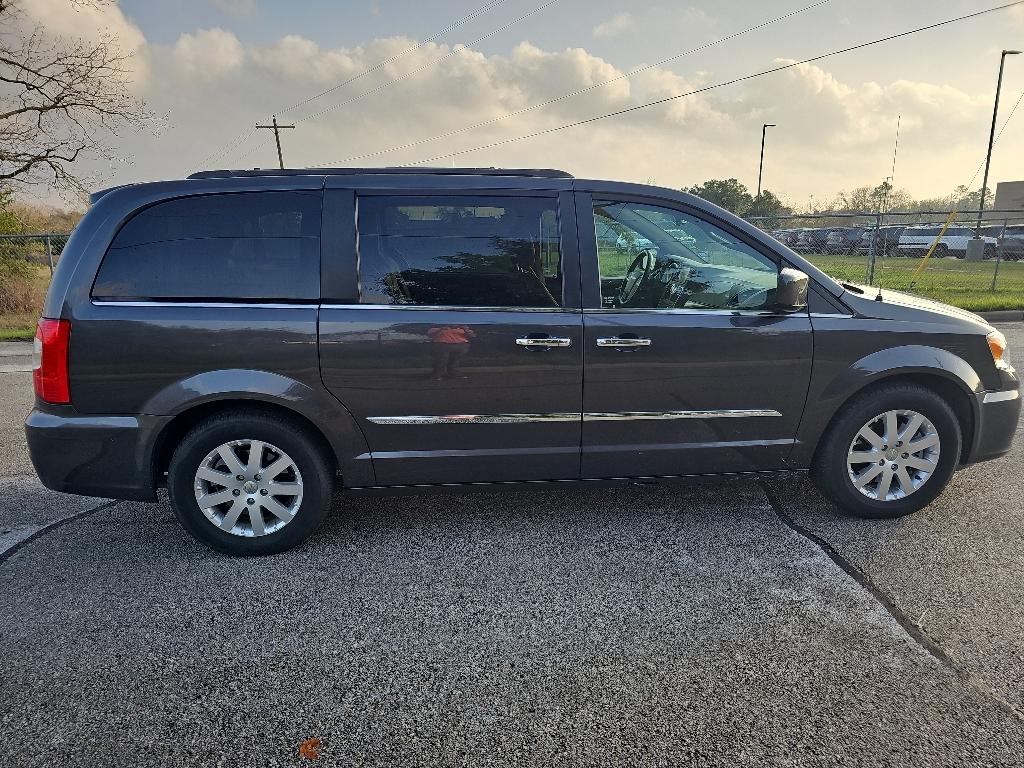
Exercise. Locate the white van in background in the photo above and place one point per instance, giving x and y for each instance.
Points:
(915, 241)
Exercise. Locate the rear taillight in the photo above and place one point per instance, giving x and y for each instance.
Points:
(50, 361)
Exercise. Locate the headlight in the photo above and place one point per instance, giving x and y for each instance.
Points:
(996, 345)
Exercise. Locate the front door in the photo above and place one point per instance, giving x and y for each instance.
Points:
(688, 368)
(462, 360)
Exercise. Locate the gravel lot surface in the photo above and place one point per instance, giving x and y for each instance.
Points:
(648, 626)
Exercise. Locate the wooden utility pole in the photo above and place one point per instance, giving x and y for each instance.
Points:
(277, 137)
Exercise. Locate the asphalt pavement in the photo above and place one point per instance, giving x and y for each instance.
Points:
(729, 624)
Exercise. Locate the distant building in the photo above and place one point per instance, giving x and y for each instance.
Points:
(1009, 197)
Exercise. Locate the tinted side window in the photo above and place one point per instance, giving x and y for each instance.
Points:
(459, 251)
(248, 245)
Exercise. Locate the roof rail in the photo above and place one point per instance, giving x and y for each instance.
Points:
(417, 171)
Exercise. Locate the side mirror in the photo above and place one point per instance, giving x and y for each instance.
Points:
(791, 295)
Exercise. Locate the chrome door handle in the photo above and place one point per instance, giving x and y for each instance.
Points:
(548, 341)
(618, 341)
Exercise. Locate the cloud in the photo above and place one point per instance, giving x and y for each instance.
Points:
(833, 133)
(209, 54)
(239, 9)
(617, 24)
(93, 23)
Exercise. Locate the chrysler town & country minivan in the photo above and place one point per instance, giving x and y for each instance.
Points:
(253, 340)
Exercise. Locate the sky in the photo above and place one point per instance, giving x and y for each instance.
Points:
(400, 72)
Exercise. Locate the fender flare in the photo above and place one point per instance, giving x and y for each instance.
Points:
(873, 368)
(334, 421)
(895, 361)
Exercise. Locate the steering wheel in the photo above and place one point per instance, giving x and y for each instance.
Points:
(637, 274)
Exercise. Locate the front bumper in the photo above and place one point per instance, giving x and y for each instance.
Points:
(107, 456)
(996, 421)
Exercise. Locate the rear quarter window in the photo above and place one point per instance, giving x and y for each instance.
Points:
(247, 246)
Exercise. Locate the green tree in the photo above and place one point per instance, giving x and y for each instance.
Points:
(727, 193)
(771, 205)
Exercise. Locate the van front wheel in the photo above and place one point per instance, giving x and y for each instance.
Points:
(249, 483)
(889, 452)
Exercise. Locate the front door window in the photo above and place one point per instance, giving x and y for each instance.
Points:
(652, 257)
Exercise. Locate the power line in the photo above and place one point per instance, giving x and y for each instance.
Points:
(236, 141)
(577, 92)
(705, 89)
(455, 25)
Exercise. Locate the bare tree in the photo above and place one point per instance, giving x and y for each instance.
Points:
(61, 100)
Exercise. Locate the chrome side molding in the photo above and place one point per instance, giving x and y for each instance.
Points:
(733, 413)
(526, 418)
(476, 418)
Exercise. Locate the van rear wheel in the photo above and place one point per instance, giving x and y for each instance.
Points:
(889, 452)
(249, 483)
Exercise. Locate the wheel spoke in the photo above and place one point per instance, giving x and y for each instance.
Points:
(869, 474)
(867, 433)
(227, 455)
(231, 518)
(213, 476)
(864, 457)
(924, 443)
(912, 426)
(276, 467)
(905, 482)
(215, 498)
(891, 428)
(256, 520)
(276, 508)
(255, 457)
(916, 462)
(884, 484)
(284, 489)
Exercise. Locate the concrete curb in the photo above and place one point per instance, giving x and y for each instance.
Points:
(1003, 316)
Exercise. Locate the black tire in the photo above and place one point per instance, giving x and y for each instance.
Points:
(305, 450)
(942, 251)
(830, 471)
(989, 253)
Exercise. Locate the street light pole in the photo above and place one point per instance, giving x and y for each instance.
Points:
(760, 168)
(992, 138)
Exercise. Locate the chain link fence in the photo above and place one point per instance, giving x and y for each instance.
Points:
(26, 266)
(43, 249)
(925, 253)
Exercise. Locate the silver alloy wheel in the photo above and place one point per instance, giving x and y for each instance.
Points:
(893, 455)
(248, 487)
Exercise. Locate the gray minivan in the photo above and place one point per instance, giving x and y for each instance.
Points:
(254, 339)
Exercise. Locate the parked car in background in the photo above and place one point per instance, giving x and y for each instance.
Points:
(813, 240)
(915, 241)
(1009, 240)
(884, 240)
(254, 340)
(787, 237)
(843, 240)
